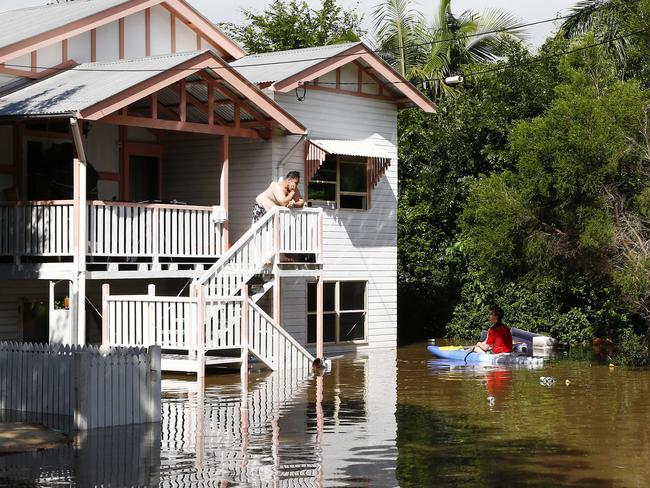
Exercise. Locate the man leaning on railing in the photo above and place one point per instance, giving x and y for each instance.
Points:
(279, 194)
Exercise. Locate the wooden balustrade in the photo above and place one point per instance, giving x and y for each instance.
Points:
(281, 230)
(197, 324)
(115, 229)
(272, 344)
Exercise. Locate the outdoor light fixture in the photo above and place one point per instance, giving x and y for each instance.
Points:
(454, 80)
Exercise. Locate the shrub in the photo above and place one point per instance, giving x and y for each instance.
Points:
(631, 350)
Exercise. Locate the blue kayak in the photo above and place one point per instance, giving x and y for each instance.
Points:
(478, 358)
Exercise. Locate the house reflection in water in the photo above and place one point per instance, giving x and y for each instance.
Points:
(281, 429)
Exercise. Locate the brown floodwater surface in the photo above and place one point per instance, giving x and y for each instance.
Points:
(382, 419)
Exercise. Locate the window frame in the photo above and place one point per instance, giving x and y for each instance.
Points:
(337, 202)
(337, 311)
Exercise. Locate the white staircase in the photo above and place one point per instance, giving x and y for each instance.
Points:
(220, 315)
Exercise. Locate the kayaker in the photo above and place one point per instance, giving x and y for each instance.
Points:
(499, 338)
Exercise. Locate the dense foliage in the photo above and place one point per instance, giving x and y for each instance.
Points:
(292, 24)
(440, 156)
(531, 189)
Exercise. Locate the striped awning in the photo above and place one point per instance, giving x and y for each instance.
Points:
(318, 149)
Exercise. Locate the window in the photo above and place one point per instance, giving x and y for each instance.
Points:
(344, 311)
(341, 182)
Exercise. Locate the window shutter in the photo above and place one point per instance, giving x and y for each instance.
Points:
(376, 170)
(314, 158)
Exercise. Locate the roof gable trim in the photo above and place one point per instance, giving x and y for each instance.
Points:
(359, 51)
(205, 60)
(74, 28)
(191, 16)
(179, 7)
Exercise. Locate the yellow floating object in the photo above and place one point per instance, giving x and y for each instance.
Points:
(612, 366)
(567, 382)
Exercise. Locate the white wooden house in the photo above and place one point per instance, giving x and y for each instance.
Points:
(135, 138)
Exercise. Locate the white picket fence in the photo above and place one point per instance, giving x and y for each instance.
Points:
(98, 386)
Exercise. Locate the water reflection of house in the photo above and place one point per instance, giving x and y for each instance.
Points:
(281, 431)
(177, 130)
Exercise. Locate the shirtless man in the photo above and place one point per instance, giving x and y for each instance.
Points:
(279, 193)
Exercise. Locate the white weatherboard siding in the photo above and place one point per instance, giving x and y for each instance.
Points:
(250, 174)
(108, 42)
(79, 48)
(13, 294)
(358, 245)
(135, 36)
(191, 168)
(161, 37)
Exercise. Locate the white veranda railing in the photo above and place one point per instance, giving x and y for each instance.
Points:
(199, 324)
(115, 229)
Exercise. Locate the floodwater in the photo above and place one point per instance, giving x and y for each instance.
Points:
(388, 418)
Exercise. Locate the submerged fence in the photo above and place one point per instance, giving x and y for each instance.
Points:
(97, 386)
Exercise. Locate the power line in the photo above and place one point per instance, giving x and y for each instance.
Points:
(273, 63)
(502, 67)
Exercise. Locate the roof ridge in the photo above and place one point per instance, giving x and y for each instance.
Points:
(305, 49)
(135, 60)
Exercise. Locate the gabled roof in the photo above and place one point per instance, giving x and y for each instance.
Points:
(286, 70)
(279, 65)
(21, 24)
(95, 90)
(72, 91)
(27, 29)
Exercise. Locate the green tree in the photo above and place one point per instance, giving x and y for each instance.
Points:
(440, 156)
(549, 218)
(429, 53)
(292, 24)
(621, 25)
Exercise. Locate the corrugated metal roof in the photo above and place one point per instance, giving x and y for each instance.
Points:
(24, 23)
(86, 85)
(362, 148)
(272, 67)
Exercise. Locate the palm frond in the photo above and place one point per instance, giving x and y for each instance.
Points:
(583, 17)
(395, 22)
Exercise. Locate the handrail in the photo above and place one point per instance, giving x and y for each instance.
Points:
(211, 271)
(151, 298)
(282, 332)
(250, 233)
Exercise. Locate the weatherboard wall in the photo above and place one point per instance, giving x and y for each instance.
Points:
(359, 245)
(250, 166)
(165, 37)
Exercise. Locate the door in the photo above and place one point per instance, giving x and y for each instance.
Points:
(144, 178)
